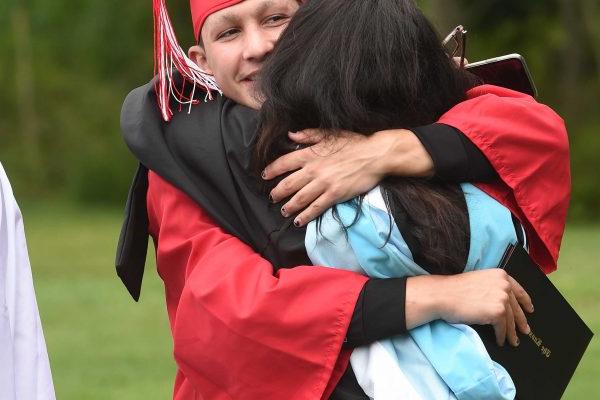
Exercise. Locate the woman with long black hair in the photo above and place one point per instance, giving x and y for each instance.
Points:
(367, 66)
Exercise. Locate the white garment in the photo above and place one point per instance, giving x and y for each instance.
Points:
(24, 366)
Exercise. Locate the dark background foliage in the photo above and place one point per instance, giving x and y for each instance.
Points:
(65, 67)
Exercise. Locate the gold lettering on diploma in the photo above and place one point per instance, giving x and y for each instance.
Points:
(539, 343)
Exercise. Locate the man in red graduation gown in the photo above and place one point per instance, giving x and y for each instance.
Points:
(245, 324)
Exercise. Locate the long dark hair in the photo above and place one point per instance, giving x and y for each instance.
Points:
(366, 66)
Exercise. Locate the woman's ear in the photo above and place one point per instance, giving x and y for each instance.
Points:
(197, 54)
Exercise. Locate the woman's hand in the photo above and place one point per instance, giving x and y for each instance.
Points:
(485, 297)
(336, 169)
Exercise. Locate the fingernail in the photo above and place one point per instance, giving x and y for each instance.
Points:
(297, 223)
(293, 133)
(517, 343)
(271, 199)
(264, 174)
(283, 212)
(527, 329)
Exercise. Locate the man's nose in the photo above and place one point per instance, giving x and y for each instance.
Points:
(259, 43)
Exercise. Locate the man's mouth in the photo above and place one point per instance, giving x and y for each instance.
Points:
(250, 78)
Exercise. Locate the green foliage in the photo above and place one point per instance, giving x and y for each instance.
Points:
(560, 41)
(66, 66)
(83, 59)
(586, 185)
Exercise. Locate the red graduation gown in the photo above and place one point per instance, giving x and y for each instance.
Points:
(527, 144)
(241, 332)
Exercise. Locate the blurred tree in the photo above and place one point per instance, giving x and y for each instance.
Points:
(25, 89)
(591, 17)
(65, 67)
(444, 14)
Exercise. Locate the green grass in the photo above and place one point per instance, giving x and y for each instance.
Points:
(578, 280)
(103, 345)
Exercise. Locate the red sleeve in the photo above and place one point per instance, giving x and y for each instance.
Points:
(527, 144)
(239, 331)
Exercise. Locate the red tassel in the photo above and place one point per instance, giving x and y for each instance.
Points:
(168, 55)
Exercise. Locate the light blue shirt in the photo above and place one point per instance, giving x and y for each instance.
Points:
(441, 360)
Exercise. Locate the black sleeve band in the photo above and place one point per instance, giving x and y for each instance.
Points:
(455, 158)
(379, 312)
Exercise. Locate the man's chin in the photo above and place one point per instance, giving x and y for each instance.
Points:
(249, 99)
(244, 94)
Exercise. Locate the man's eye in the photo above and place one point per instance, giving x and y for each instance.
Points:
(226, 34)
(276, 19)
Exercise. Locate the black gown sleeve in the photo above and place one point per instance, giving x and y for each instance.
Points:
(455, 158)
(379, 312)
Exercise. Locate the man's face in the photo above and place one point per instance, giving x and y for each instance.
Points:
(236, 41)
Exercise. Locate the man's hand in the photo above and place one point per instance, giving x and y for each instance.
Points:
(486, 297)
(461, 63)
(336, 169)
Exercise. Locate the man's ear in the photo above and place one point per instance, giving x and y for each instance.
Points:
(198, 55)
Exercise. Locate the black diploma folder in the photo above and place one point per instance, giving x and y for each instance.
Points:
(544, 362)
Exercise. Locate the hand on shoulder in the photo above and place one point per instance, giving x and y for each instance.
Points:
(333, 169)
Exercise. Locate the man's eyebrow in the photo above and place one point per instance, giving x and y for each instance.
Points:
(229, 17)
(263, 6)
(233, 18)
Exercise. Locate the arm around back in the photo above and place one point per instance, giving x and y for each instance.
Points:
(239, 330)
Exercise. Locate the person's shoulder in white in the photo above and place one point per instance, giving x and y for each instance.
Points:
(24, 367)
